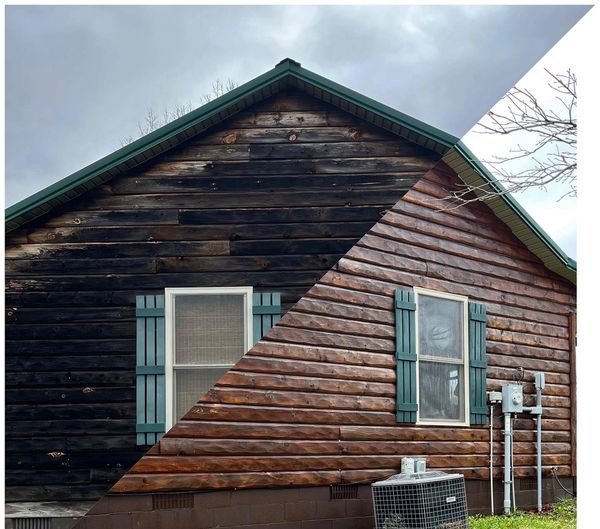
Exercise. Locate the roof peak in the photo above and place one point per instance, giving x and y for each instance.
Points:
(288, 61)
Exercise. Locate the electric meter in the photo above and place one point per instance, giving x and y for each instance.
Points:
(512, 398)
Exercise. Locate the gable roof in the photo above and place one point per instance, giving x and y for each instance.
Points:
(289, 73)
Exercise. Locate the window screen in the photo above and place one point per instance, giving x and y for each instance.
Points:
(209, 329)
(209, 337)
(441, 359)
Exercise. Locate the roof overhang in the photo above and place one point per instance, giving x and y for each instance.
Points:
(289, 73)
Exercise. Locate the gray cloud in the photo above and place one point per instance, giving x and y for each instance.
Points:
(79, 78)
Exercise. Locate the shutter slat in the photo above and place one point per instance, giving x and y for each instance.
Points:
(406, 364)
(477, 363)
(150, 361)
(150, 369)
(266, 318)
(160, 362)
(140, 302)
(266, 312)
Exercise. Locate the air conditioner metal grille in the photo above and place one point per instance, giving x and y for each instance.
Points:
(428, 500)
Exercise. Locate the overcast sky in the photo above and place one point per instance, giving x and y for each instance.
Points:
(79, 78)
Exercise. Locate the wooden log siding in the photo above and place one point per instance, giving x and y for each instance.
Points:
(314, 401)
(271, 198)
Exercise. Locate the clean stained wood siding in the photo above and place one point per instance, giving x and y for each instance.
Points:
(314, 401)
(271, 198)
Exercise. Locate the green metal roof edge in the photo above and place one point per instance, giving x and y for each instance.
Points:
(510, 201)
(285, 68)
(433, 133)
(146, 142)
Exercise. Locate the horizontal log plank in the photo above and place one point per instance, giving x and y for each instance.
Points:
(303, 134)
(56, 412)
(88, 379)
(239, 413)
(362, 197)
(246, 430)
(203, 233)
(298, 150)
(303, 336)
(132, 217)
(311, 305)
(260, 280)
(34, 267)
(341, 326)
(269, 183)
(319, 354)
(222, 395)
(319, 368)
(174, 482)
(247, 263)
(233, 379)
(36, 493)
(99, 250)
(69, 395)
(358, 165)
(266, 215)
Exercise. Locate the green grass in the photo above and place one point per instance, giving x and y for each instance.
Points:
(561, 515)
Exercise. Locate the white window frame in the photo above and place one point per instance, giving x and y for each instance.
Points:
(170, 295)
(465, 301)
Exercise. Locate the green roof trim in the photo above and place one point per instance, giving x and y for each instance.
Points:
(290, 73)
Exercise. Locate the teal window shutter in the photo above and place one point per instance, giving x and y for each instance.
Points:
(150, 368)
(477, 363)
(406, 356)
(266, 312)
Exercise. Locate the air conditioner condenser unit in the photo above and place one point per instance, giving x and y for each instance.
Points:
(429, 500)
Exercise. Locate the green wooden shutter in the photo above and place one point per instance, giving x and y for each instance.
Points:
(150, 369)
(477, 363)
(266, 312)
(406, 356)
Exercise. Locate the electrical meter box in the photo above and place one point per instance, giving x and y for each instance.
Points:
(512, 398)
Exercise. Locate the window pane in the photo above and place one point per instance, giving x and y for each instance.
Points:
(441, 391)
(209, 329)
(440, 327)
(191, 385)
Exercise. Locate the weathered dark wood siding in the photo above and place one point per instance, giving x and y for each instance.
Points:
(271, 199)
(314, 402)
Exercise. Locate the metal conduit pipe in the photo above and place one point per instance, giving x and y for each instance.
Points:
(512, 463)
(507, 451)
(540, 383)
(492, 457)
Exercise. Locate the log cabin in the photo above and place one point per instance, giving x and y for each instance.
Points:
(247, 316)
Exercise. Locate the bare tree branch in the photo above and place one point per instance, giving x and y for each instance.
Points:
(547, 140)
(152, 121)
